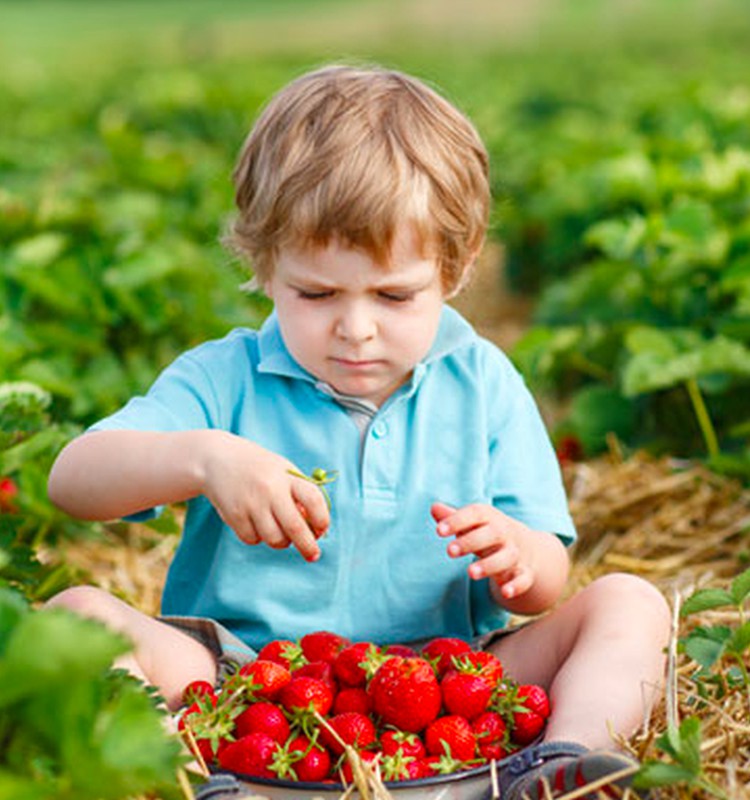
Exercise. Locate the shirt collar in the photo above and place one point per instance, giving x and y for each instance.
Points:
(453, 332)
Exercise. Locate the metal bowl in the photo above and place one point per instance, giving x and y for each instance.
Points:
(472, 784)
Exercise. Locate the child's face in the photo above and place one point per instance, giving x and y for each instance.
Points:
(352, 323)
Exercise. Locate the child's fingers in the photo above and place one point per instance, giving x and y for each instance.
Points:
(440, 511)
(477, 541)
(269, 530)
(517, 583)
(297, 532)
(495, 562)
(462, 520)
(245, 531)
(314, 507)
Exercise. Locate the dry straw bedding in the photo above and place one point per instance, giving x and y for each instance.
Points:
(674, 523)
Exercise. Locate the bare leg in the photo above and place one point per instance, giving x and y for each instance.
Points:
(162, 656)
(600, 655)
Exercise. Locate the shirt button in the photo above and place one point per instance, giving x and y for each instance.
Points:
(380, 429)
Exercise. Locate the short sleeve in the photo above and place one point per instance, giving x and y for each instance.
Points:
(525, 480)
(183, 397)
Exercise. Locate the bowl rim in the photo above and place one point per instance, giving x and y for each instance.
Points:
(320, 786)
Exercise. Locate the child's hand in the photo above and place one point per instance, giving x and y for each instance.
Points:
(256, 494)
(494, 537)
(528, 568)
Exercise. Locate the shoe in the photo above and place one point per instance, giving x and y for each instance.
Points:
(220, 787)
(553, 769)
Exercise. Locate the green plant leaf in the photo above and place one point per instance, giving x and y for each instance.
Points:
(705, 599)
(670, 359)
(73, 647)
(706, 646)
(740, 640)
(740, 587)
(12, 608)
(659, 773)
(684, 743)
(597, 411)
(617, 238)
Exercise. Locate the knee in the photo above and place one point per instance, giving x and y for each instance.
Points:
(633, 596)
(87, 601)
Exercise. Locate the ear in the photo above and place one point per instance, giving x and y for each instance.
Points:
(466, 275)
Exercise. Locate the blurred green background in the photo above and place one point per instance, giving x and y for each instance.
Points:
(618, 133)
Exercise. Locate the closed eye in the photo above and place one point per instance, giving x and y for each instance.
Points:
(314, 295)
(397, 297)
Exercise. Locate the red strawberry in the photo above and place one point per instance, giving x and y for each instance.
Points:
(303, 694)
(8, 495)
(401, 650)
(441, 651)
(480, 662)
(351, 728)
(283, 651)
(263, 718)
(409, 744)
(197, 689)
(405, 693)
(419, 768)
(356, 663)
(207, 724)
(465, 693)
(491, 734)
(569, 449)
(352, 699)
(441, 765)
(251, 755)
(451, 735)
(312, 763)
(322, 645)
(530, 711)
(322, 670)
(535, 698)
(262, 680)
(398, 767)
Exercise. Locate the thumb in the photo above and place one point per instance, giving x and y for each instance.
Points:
(440, 511)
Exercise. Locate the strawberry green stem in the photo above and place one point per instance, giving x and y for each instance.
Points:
(319, 477)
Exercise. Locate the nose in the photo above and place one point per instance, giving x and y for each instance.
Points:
(355, 323)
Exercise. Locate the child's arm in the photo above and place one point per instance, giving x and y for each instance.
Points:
(110, 474)
(528, 569)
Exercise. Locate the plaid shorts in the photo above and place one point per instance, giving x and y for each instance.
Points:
(231, 652)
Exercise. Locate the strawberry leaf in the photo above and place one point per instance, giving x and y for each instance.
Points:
(740, 588)
(706, 599)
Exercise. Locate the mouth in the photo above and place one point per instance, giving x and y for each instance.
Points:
(356, 364)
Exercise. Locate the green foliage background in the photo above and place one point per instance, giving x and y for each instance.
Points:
(619, 135)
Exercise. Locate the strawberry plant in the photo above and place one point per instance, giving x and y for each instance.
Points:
(70, 728)
(720, 653)
(29, 441)
(644, 328)
(720, 650)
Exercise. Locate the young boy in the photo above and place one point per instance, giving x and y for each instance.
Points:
(363, 200)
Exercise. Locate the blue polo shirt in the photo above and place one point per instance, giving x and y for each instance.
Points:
(463, 430)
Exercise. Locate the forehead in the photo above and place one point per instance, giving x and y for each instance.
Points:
(408, 259)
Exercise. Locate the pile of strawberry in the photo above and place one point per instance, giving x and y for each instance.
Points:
(296, 711)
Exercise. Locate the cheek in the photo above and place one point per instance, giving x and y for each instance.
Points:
(415, 332)
(306, 334)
